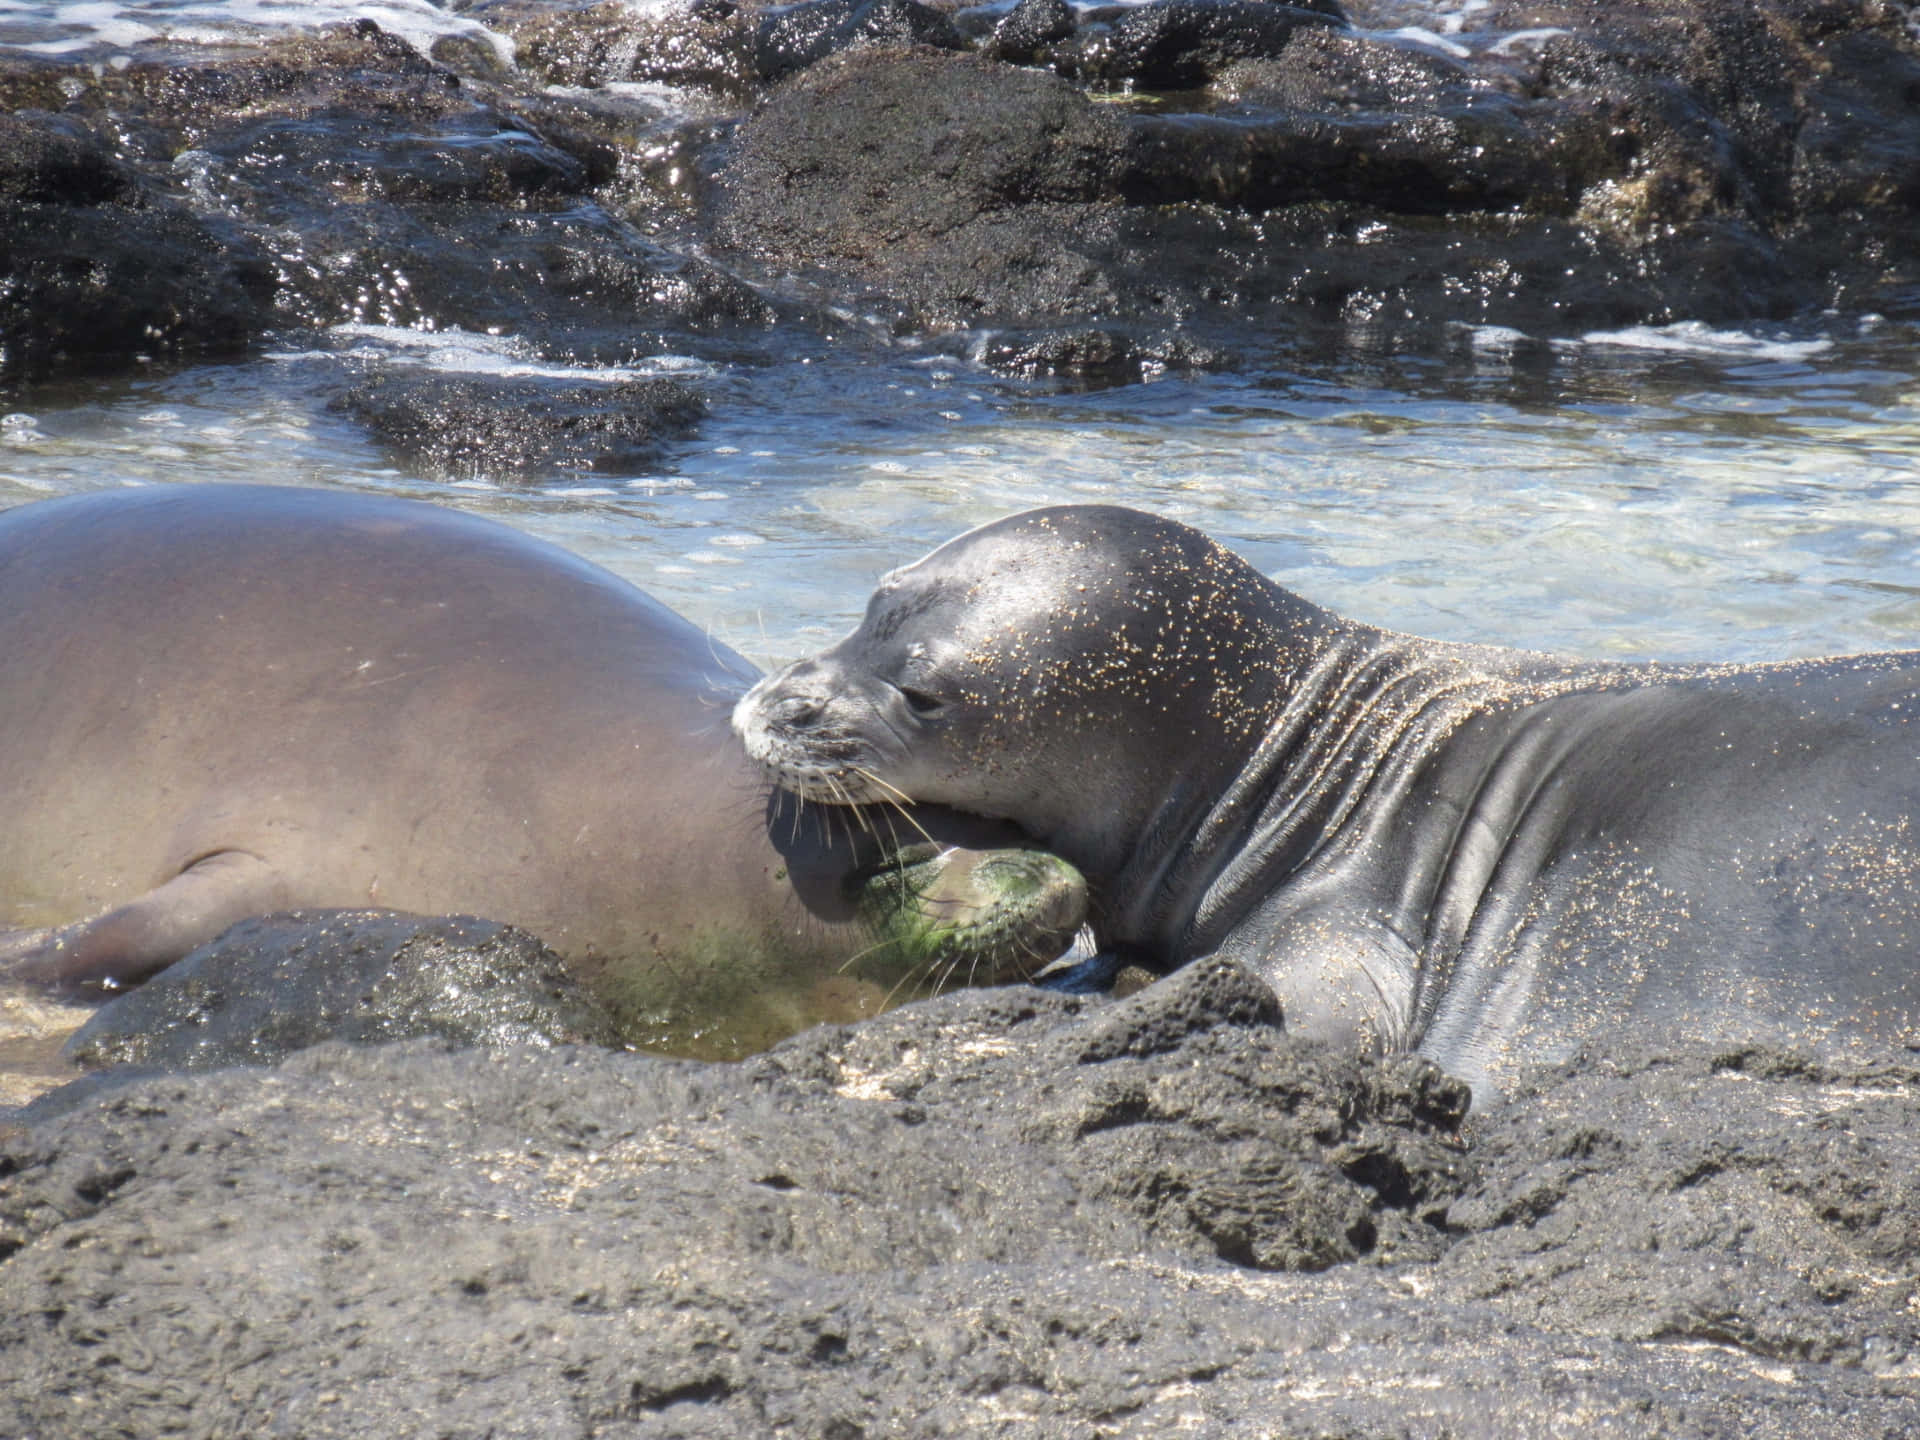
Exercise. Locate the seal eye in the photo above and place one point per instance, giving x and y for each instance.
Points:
(920, 702)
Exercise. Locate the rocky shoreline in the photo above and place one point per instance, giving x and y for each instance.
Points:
(1094, 193)
(1002, 1212)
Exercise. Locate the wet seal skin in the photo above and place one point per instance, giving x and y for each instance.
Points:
(1491, 857)
(218, 702)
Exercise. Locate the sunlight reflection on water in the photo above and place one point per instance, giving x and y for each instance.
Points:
(1626, 501)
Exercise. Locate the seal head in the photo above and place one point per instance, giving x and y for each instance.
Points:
(1078, 669)
(1093, 673)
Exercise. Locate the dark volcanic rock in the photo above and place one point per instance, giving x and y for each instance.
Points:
(1344, 118)
(99, 270)
(280, 983)
(1180, 44)
(1751, 1200)
(181, 209)
(904, 148)
(88, 289)
(461, 215)
(1608, 164)
(1645, 165)
(966, 187)
(708, 44)
(460, 426)
(792, 37)
(57, 163)
(1001, 1212)
(1094, 357)
(1027, 27)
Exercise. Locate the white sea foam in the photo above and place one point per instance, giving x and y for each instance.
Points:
(1420, 35)
(466, 352)
(1444, 25)
(1494, 339)
(94, 27)
(1692, 337)
(1519, 39)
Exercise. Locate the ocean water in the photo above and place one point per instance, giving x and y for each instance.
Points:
(1678, 492)
(1675, 493)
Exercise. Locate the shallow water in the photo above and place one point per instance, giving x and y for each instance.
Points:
(1678, 493)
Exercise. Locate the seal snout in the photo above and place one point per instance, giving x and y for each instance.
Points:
(779, 705)
(792, 727)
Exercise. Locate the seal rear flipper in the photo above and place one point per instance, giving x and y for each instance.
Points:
(144, 936)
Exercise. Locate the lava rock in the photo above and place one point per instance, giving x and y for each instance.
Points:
(708, 45)
(1092, 357)
(49, 160)
(1025, 30)
(997, 1201)
(1603, 164)
(792, 37)
(280, 983)
(99, 269)
(176, 209)
(1749, 1199)
(1180, 44)
(965, 186)
(462, 426)
(90, 289)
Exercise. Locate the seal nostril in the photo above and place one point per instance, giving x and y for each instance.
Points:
(920, 702)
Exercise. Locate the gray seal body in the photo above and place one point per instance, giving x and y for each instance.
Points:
(1489, 856)
(221, 701)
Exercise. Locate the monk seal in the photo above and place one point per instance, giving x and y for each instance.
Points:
(1488, 856)
(220, 701)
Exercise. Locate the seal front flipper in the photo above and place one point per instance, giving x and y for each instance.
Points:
(127, 944)
(1342, 975)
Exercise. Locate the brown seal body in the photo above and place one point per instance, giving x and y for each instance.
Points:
(220, 701)
(1488, 856)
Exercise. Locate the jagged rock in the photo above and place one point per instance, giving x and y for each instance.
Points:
(1180, 44)
(998, 1203)
(792, 37)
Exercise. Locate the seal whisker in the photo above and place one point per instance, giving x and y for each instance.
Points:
(892, 792)
(883, 943)
(911, 977)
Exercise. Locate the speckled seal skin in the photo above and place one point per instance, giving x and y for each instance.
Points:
(220, 701)
(1488, 856)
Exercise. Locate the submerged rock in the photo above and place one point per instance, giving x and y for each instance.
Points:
(460, 426)
(1096, 357)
